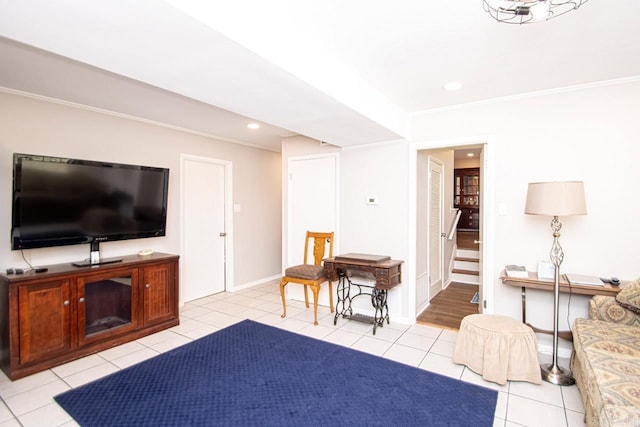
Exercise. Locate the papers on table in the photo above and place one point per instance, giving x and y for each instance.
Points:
(546, 270)
(581, 279)
(516, 271)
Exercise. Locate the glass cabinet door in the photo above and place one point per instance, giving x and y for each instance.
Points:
(457, 191)
(470, 189)
(105, 305)
(467, 197)
(466, 188)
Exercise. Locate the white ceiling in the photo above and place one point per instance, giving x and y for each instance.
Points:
(345, 72)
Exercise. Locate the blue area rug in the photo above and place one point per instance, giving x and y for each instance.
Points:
(253, 374)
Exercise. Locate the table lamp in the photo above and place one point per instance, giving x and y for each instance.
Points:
(559, 198)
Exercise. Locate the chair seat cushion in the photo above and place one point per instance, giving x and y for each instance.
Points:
(305, 271)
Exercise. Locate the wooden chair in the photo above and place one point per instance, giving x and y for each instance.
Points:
(308, 274)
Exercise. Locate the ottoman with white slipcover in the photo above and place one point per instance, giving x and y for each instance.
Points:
(499, 348)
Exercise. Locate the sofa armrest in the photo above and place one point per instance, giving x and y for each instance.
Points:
(607, 308)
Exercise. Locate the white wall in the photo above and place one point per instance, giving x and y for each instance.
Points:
(298, 146)
(374, 171)
(590, 135)
(379, 171)
(34, 126)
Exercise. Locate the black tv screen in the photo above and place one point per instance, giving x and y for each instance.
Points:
(61, 201)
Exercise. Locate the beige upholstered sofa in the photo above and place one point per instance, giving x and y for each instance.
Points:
(606, 359)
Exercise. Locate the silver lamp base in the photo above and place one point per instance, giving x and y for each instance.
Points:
(556, 375)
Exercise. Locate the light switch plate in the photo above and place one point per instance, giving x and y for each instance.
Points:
(502, 208)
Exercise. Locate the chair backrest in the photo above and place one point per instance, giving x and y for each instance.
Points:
(320, 241)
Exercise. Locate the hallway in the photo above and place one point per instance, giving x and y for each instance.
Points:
(447, 309)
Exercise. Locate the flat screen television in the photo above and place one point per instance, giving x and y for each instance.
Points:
(61, 201)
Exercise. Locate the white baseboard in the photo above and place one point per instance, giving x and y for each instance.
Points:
(545, 345)
(257, 282)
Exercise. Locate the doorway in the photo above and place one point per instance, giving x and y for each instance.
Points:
(461, 241)
(312, 201)
(205, 195)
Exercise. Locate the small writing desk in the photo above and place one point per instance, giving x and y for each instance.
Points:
(386, 273)
(532, 282)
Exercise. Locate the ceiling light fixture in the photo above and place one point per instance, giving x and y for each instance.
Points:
(253, 126)
(470, 154)
(529, 11)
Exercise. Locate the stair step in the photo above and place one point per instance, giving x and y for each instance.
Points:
(466, 253)
(466, 265)
(468, 272)
(466, 278)
(467, 259)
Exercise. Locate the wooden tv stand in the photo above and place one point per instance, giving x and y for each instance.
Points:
(68, 312)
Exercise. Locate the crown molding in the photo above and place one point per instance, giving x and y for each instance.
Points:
(572, 88)
(128, 117)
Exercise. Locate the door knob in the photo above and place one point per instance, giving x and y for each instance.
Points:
(223, 234)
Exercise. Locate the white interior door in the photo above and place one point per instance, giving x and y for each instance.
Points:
(481, 231)
(422, 231)
(203, 227)
(311, 200)
(435, 188)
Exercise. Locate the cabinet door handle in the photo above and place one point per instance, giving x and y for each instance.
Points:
(147, 285)
(81, 299)
(66, 302)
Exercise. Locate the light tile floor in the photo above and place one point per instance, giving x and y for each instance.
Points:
(29, 401)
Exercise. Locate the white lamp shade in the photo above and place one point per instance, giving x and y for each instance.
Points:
(558, 198)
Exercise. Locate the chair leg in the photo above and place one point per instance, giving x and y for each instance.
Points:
(283, 283)
(315, 290)
(331, 296)
(306, 297)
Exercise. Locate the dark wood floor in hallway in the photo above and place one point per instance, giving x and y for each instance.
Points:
(467, 240)
(448, 308)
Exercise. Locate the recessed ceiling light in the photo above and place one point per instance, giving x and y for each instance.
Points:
(253, 126)
(451, 86)
(469, 154)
